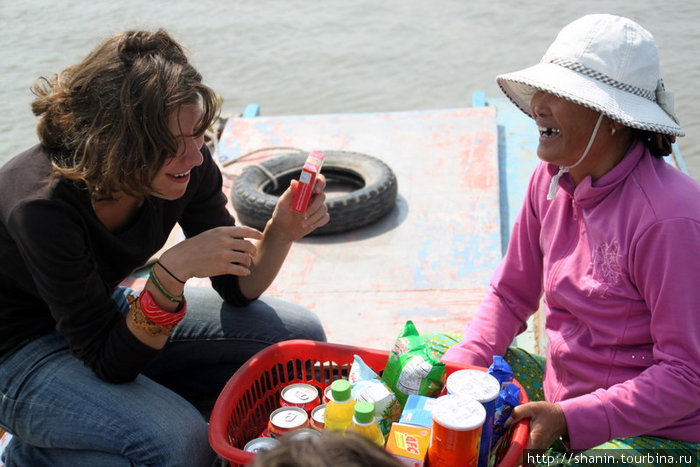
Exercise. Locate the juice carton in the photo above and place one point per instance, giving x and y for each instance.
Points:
(417, 411)
(409, 444)
(312, 167)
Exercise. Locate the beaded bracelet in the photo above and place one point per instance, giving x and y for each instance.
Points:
(173, 298)
(141, 321)
(156, 314)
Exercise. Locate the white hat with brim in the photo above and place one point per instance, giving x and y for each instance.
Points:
(606, 63)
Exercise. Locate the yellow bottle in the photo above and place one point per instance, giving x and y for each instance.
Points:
(364, 423)
(340, 408)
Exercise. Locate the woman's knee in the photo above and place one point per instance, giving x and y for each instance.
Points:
(182, 441)
(189, 446)
(161, 428)
(300, 322)
(146, 444)
(262, 322)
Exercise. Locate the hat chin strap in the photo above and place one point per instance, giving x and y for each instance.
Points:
(553, 185)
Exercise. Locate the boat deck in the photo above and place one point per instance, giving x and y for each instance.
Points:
(429, 260)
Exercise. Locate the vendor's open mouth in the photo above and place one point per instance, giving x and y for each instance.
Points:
(548, 132)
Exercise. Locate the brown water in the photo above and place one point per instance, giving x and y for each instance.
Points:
(336, 56)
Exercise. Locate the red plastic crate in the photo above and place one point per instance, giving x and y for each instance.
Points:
(242, 409)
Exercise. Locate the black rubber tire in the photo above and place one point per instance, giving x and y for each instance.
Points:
(254, 197)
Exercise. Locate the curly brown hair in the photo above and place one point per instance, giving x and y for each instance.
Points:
(330, 450)
(106, 118)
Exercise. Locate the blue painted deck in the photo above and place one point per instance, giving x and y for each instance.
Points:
(431, 258)
(462, 175)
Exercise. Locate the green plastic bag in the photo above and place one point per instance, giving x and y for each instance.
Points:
(412, 368)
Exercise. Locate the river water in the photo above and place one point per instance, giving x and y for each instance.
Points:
(336, 56)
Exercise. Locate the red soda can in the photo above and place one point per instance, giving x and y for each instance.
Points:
(327, 396)
(287, 419)
(317, 420)
(304, 396)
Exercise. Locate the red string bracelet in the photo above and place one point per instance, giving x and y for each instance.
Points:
(156, 314)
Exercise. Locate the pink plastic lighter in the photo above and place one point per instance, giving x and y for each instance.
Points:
(312, 167)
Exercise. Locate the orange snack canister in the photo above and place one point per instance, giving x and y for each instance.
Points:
(456, 431)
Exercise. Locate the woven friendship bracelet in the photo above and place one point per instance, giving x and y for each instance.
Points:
(173, 298)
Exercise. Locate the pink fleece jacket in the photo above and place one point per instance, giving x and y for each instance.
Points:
(618, 262)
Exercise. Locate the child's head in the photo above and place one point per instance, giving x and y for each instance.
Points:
(330, 450)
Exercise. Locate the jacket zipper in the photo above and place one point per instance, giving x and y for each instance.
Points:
(552, 276)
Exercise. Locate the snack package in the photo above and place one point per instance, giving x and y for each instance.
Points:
(500, 370)
(368, 386)
(418, 411)
(412, 368)
(359, 371)
(312, 167)
(409, 444)
(507, 399)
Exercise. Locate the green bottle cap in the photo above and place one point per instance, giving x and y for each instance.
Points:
(364, 412)
(340, 390)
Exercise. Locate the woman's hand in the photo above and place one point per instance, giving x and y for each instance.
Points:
(547, 423)
(293, 225)
(222, 250)
(228, 250)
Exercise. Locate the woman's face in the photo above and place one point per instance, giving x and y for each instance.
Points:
(171, 180)
(564, 127)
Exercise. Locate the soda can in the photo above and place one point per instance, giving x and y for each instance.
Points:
(303, 434)
(317, 421)
(261, 444)
(327, 395)
(484, 388)
(300, 395)
(456, 431)
(287, 419)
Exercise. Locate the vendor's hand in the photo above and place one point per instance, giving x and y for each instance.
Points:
(293, 225)
(222, 250)
(547, 422)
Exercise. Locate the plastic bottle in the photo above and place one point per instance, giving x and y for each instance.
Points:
(364, 423)
(340, 409)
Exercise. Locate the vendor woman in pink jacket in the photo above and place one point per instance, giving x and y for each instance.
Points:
(609, 237)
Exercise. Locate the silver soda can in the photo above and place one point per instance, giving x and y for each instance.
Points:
(304, 434)
(261, 444)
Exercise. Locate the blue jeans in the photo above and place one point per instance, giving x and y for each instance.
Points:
(61, 414)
